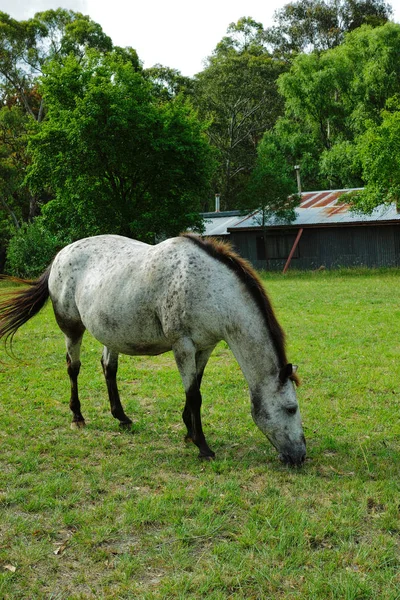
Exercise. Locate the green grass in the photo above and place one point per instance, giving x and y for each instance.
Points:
(105, 514)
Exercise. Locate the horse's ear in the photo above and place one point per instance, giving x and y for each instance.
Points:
(286, 372)
(289, 372)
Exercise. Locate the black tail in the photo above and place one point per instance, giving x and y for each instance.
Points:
(17, 306)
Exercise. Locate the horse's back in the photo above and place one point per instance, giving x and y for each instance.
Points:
(86, 276)
(141, 298)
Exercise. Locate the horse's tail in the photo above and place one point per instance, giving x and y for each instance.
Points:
(19, 305)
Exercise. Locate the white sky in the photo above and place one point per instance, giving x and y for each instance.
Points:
(175, 33)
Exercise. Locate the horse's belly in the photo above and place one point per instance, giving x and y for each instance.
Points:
(140, 336)
(145, 349)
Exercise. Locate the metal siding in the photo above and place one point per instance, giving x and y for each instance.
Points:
(332, 248)
(333, 235)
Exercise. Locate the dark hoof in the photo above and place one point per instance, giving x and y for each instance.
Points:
(127, 425)
(207, 457)
(78, 424)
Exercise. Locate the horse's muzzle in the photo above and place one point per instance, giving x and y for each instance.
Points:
(292, 461)
(294, 458)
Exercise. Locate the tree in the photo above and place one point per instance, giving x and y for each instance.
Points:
(237, 94)
(296, 145)
(14, 128)
(379, 151)
(17, 204)
(321, 24)
(342, 165)
(335, 96)
(272, 187)
(273, 183)
(26, 46)
(169, 83)
(310, 92)
(246, 35)
(116, 160)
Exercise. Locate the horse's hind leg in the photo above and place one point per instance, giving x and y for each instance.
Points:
(73, 368)
(109, 362)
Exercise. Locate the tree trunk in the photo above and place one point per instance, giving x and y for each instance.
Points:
(10, 212)
(33, 207)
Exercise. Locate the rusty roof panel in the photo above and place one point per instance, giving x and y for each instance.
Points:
(324, 208)
(316, 209)
(319, 199)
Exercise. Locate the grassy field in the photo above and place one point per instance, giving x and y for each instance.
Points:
(105, 514)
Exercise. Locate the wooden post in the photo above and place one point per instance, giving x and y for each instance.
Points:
(296, 241)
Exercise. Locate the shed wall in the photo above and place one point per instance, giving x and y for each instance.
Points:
(369, 246)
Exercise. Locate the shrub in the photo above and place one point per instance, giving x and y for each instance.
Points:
(31, 249)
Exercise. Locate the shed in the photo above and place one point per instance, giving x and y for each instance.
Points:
(325, 233)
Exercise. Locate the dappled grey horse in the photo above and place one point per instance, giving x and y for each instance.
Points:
(185, 295)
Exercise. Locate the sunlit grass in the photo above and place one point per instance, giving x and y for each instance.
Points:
(101, 513)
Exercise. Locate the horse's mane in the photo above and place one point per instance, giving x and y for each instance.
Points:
(223, 252)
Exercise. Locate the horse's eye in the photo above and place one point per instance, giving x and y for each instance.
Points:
(291, 410)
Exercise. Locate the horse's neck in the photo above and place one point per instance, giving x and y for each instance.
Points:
(251, 343)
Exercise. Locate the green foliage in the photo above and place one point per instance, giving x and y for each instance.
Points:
(244, 36)
(116, 160)
(16, 201)
(31, 249)
(117, 148)
(237, 94)
(336, 98)
(310, 91)
(341, 165)
(26, 46)
(169, 83)
(366, 70)
(321, 24)
(379, 150)
(272, 186)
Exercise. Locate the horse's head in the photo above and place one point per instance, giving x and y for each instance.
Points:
(275, 411)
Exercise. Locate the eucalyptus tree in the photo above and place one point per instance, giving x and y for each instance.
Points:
(346, 100)
(26, 46)
(237, 95)
(168, 83)
(307, 25)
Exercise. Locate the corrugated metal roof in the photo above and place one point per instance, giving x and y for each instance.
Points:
(217, 223)
(323, 208)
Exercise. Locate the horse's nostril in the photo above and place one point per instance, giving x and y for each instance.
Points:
(292, 461)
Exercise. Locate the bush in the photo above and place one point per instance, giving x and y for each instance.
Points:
(31, 249)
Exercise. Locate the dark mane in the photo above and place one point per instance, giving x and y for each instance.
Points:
(223, 252)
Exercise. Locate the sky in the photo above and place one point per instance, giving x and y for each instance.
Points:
(175, 33)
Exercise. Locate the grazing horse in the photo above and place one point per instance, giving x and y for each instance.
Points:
(184, 294)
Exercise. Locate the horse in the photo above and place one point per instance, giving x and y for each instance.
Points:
(183, 294)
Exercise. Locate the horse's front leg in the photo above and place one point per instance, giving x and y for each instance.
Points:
(201, 362)
(109, 362)
(191, 367)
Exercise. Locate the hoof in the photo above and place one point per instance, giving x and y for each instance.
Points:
(78, 424)
(126, 425)
(207, 457)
